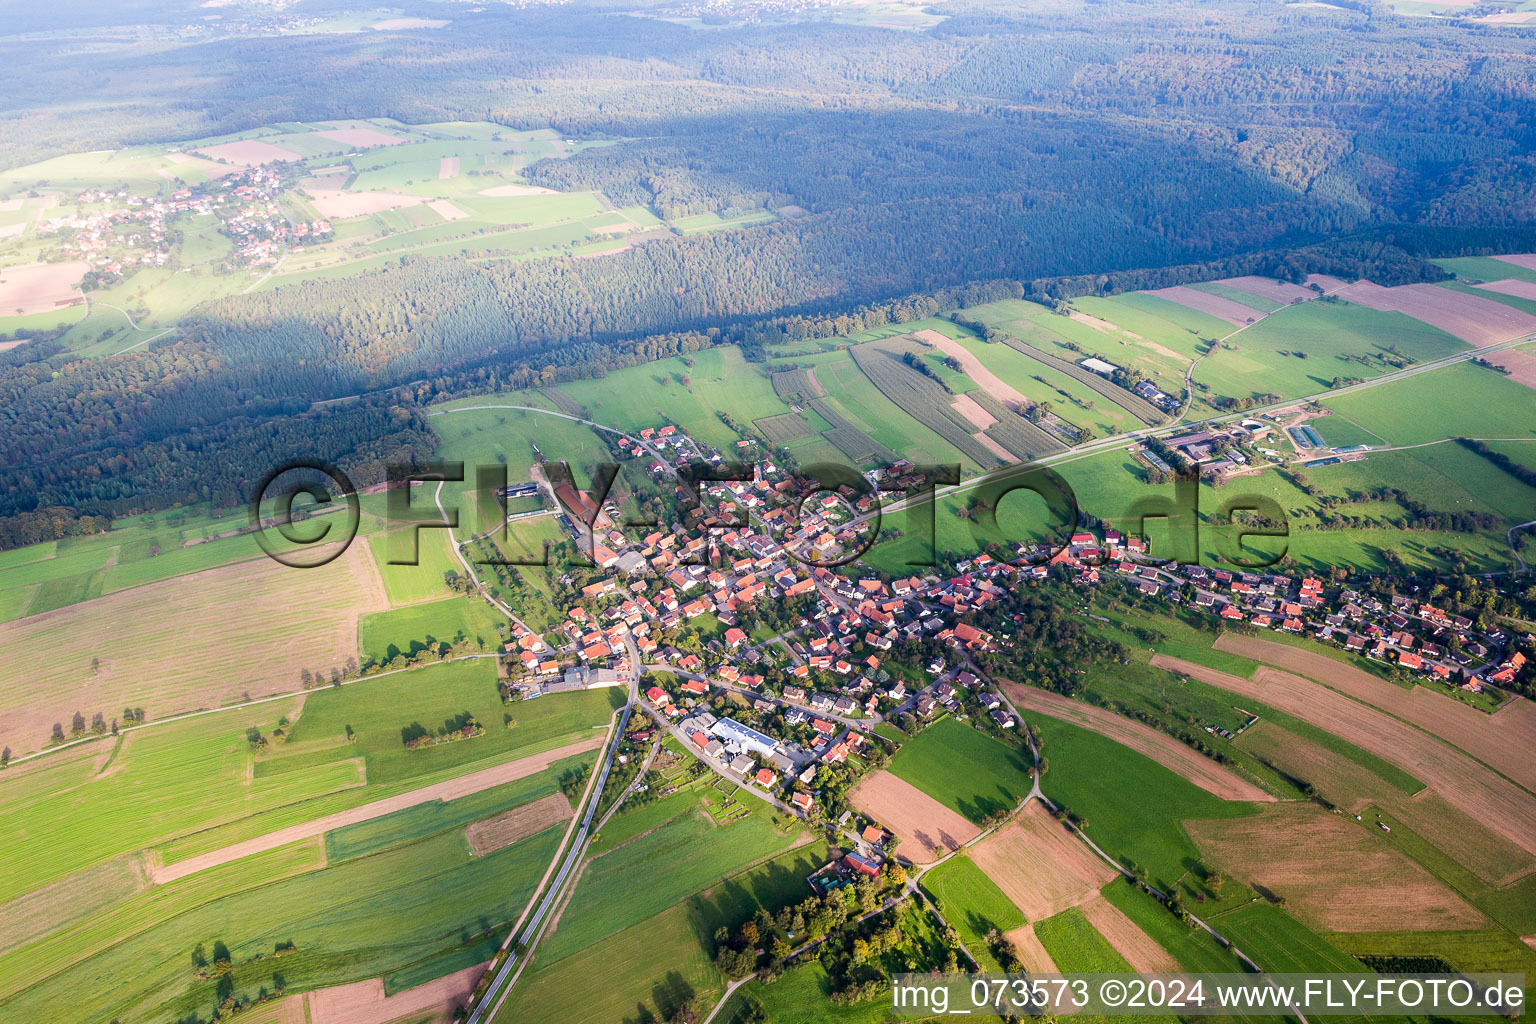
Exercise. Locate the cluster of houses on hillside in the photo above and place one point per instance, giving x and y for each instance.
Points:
(693, 600)
(1410, 633)
(118, 230)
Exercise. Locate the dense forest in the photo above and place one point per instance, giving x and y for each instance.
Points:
(1058, 150)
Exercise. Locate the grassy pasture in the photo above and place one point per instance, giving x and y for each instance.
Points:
(719, 381)
(382, 635)
(973, 904)
(358, 919)
(657, 870)
(1141, 823)
(964, 769)
(376, 710)
(1414, 410)
(1330, 334)
(654, 965)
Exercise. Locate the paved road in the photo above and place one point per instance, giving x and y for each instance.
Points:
(497, 991)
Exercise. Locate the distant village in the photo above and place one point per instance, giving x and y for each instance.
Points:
(118, 231)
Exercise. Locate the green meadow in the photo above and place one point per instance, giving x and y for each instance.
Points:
(964, 769)
(1414, 410)
(1140, 823)
(973, 904)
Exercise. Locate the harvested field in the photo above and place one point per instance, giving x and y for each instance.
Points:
(1488, 798)
(361, 138)
(519, 823)
(192, 642)
(967, 407)
(1266, 288)
(505, 191)
(364, 1002)
(917, 819)
(447, 167)
(446, 210)
(1503, 741)
(1041, 866)
(1520, 259)
(1092, 321)
(1140, 950)
(452, 789)
(1334, 874)
(1510, 286)
(248, 153)
(1521, 365)
(1032, 953)
(1490, 857)
(990, 382)
(1234, 313)
(1473, 319)
(40, 287)
(333, 204)
(1131, 403)
(994, 446)
(1160, 747)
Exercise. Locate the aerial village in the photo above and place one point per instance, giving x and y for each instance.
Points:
(780, 668)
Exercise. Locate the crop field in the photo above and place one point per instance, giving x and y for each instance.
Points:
(848, 438)
(973, 904)
(1076, 947)
(442, 792)
(1167, 751)
(1476, 319)
(1142, 823)
(658, 964)
(1041, 867)
(1482, 858)
(656, 870)
(1192, 948)
(795, 385)
(964, 769)
(1018, 436)
(1500, 805)
(924, 399)
(921, 823)
(437, 816)
(858, 401)
(781, 429)
(1492, 951)
(1502, 740)
(1335, 875)
(376, 711)
(401, 905)
(178, 645)
(1070, 399)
